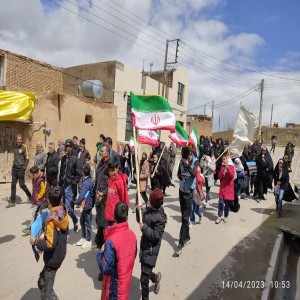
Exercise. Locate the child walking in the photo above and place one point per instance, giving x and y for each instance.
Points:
(116, 257)
(38, 198)
(200, 195)
(152, 227)
(53, 244)
(85, 199)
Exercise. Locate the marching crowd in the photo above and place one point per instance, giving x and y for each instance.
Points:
(67, 178)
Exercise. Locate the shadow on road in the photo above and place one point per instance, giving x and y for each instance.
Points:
(32, 294)
(6, 238)
(88, 262)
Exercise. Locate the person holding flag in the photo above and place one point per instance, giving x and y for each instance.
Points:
(187, 175)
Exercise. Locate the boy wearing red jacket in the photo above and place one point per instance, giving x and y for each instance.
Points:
(116, 257)
(117, 191)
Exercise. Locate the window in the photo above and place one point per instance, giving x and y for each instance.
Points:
(180, 93)
(88, 119)
(128, 127)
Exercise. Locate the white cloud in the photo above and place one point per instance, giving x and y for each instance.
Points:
(54, 35)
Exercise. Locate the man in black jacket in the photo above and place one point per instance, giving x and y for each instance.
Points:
(18, 170)
(52, 166)
(70, 174)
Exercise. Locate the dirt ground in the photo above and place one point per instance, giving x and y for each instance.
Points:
(217, 256)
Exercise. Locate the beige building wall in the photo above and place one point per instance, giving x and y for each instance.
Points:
(70, 121)
(130, 79)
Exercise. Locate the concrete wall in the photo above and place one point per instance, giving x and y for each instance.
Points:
(105, 72)
(22, 73)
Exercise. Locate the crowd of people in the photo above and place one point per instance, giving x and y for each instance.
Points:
(65, 179)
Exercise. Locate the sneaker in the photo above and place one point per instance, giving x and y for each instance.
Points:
(179, 250)
(218, 220)
(191, 225)
(94, 247)
(157, 283)
(187, 242)
(81, 242)
(200, 219)
(11, 203)
(204, 205)
(279, 214)
(27, 231)
(209, 202)
(225, 220)
(263, 198)
(86, 244)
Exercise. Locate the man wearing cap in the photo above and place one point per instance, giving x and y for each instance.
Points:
(82, 151)
(70, 174)
(18, 170)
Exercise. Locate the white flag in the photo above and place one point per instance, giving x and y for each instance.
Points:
(245, 126)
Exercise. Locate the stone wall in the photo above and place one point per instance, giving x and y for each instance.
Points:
(284, 135)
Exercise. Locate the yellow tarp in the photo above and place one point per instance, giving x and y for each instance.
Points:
(16, 106)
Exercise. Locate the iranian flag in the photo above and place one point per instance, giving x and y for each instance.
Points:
(148, 137)
(193, 140)
(151, 112)
(179, 137)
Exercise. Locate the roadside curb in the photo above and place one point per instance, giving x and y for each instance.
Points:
(273, 267)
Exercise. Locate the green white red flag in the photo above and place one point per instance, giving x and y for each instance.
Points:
(148, 137)
(194, 141)
(179, 137)
(151, 112)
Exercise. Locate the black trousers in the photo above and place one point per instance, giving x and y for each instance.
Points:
(146, 276)
(186, 200)
(18, 174)
(46, 283)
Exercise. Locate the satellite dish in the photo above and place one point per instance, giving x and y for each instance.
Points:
(93, 89)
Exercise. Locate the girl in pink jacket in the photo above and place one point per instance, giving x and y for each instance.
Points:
(226, 194)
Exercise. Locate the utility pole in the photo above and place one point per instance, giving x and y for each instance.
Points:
(166, 63)
(219, 123)
(204, 111)
(260, 109)
(271, 115)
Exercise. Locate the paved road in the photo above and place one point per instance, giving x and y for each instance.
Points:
(238, 250)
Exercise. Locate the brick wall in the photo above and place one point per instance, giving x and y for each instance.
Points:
(25, 74)
(204, 127)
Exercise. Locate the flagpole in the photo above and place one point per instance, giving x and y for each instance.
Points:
(226, 149)
(158, 161)
(137, 175)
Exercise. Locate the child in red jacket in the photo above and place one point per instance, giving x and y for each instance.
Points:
(226, 195)
(116, 257)
(117, 191)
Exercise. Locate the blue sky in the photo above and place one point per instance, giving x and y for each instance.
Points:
(260, 35)
(276, 21)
